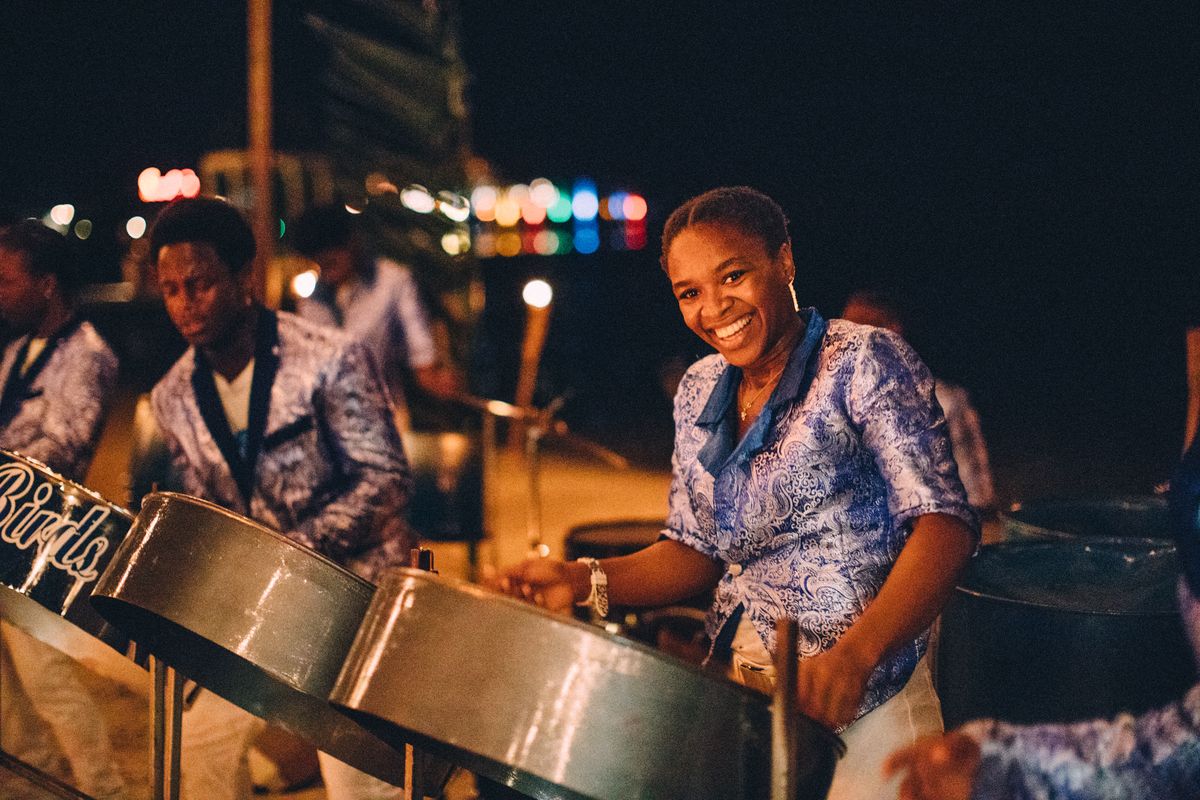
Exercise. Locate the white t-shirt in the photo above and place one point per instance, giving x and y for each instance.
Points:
(235, 398)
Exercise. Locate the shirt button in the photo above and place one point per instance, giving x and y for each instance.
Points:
(735, 569)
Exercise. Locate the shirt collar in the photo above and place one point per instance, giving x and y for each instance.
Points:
(790, 383)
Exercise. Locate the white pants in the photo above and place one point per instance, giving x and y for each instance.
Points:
(40, 688)
(912, 712)
(216, 741)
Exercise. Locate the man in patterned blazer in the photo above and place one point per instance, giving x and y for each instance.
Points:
(280, 421)
(56, 379)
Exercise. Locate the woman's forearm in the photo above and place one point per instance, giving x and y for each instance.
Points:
(663, 573)
(917, 588)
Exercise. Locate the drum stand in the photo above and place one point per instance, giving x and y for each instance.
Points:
(783, 711)
(166, 725)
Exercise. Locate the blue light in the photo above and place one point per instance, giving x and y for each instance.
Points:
(616, 205)
(587, 238)
(585, 203)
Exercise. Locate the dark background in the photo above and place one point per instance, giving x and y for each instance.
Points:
(1027, 176)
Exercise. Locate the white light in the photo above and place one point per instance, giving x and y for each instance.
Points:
(83, 228)
(484, 197)
(454, 206)
(543, 193)
(305, 283)
(585, 204)
(62, 214)
(537, 293)
(353, 209)
(136, 227)
(450, 242)
(417, 198)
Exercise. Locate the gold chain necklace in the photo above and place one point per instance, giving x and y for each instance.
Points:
(744, 409)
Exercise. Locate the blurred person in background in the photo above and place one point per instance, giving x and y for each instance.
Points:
(57, 377)
(870, 307)
(376, 301)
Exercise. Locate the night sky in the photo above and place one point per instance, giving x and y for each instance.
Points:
(1027, 175)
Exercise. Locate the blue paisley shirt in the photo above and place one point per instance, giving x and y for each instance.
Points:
(811, 508)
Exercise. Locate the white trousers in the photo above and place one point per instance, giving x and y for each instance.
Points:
(40, 689)
(911, 713)
(216, 741)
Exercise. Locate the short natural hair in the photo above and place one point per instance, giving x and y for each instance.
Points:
(208, 220)
(46, 252)
(741, 207)
(323, 228)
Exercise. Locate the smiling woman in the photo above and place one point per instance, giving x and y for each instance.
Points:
(812, 480)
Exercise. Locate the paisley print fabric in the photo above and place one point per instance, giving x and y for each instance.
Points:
(331, 473)
(58, 418)
(1152, 757)
(811, 508)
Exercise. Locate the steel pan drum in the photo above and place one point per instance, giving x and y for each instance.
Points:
(246, 613)
(555, 708)
(1063, 630)
(56, 538)
(1143, 517)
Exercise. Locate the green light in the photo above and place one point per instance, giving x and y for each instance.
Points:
(561, 210)
(282, 228)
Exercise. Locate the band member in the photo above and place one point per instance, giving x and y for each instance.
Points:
(56, 380)
(278, 420)
(1155, 756)
(812, 479)
(376, 301)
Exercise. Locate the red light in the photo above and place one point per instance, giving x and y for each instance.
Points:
(634, 207)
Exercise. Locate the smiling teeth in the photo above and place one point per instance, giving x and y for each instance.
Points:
(730, 330)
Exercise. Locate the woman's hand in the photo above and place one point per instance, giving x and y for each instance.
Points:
(545, 582)
(830, 686)
(936, 767)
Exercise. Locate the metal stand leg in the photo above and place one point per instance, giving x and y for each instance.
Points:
(533, 513)
(783, 712)
(166, 725)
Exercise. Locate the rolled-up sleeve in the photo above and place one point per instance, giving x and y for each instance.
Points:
(891, 400)
(683, 524)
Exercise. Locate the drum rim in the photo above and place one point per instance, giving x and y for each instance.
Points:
(57, 477)
(1061, 541)
(236, 517)
(1146, 500)
(480, 593)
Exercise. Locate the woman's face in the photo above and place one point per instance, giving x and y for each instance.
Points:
(732, 293)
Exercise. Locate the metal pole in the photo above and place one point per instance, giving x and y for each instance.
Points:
(166, 727)
(258, 117)
(533, 467)
(783, 711)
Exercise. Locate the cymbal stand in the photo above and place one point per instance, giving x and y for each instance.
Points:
(534, 431)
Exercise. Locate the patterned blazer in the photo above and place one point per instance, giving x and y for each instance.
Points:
(324, 464)
(54, 412)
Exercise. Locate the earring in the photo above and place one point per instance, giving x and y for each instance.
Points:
(795, 300)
